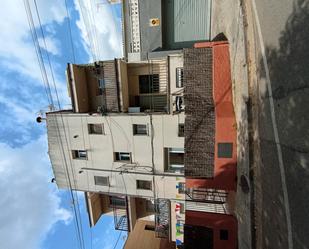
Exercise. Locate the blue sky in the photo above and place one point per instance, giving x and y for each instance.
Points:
(34, 213)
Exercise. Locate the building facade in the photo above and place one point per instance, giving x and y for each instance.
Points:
(211, 152)
(123, 141)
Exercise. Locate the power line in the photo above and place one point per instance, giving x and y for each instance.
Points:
(45, 78)
(117, 240)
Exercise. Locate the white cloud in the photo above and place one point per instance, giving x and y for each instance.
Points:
(21, 86)
(52, 45)
(102, 37)
(16, 47)
(29, 204)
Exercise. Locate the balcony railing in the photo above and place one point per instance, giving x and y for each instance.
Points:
(206, 195)
(120, 210)
(157, 99)
(162, 218)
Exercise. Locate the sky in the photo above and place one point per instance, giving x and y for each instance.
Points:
(35, 214)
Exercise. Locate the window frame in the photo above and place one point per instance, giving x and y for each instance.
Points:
(91, 129)
(120, 202)
(120, 154)
(140, 184)
(97, 181)
(80, 154)
(136, 129)
(173, 168)
(144, 78)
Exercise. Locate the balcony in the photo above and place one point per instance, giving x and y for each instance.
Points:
(145, 86)
(162, 218)
(120, 211)
(93, 87)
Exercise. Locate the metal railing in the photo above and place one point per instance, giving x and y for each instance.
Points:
(158, 97)
(121, 218)
(206, 195)
(135, 46)
(162, 218)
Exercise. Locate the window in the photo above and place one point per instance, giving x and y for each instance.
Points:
(224, 234)
(225, 150)
(101, 180)
(79, 154)
(181, 130)
(101, 85)
(95, 129)
(141, 184)
(149, 227)
(140, 129)
(179, 77)
(149, 83)
(117, 201)
(174, 159)
(123, 156)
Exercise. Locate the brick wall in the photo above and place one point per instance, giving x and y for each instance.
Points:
(200, 115)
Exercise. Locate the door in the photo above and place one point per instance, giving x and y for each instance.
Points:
(186, 22)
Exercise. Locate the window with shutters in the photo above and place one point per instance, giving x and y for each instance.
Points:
(101, 180)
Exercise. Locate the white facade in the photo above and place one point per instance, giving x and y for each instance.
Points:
(70, 132)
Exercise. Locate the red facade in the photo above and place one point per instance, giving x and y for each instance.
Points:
(221, 227)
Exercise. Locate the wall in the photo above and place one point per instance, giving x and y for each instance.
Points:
(141, 238)
(225, 171)
(79, 88)
(124, 88)
(151, 37)
(118, 137)
(98, 204)
(216, 222)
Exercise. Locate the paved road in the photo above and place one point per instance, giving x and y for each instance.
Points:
(282, 35)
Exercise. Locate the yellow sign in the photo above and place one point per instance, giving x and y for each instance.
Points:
(154, 22)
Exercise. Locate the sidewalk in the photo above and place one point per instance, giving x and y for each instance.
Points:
(227, 18)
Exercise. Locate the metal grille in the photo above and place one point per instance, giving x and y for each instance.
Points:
(107, 100)
(158, 99)
(135, 32)
(200, 115)
(121, 220)
(162, 218)
(206, 195)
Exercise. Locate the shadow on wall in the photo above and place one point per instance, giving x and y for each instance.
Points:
(289, 75)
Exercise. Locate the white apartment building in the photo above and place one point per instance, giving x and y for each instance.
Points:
(123, 137)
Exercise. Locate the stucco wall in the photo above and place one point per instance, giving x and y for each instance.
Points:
(141, 238)
(117, 137)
